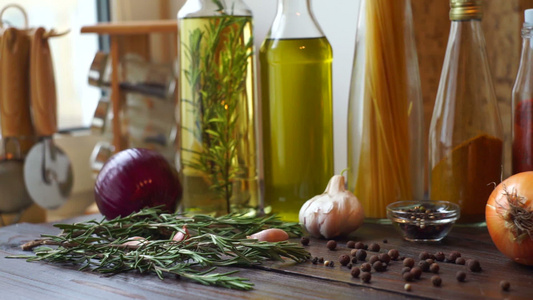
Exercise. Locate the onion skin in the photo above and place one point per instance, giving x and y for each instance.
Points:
(499, 229)
(134, 179)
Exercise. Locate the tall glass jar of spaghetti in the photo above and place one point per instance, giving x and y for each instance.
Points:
(385, 120)
(466, 135)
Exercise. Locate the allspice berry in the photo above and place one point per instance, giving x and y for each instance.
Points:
(353, 252)
(436, 280)
(359, 245)
(505, 285)
(366, 267)
(460, 261)
(360, 254)
(374, 247)
(439, 256)
(331, 245)
(365, 277)
(373, 259)
(378, 266)
(408, 276)
(304, 240)
(423, 255)
(473, 265)
(434, 268)
(394, 254)
(460, 276)
(355, 272)
(384, 257)
(423, 265)
(417, 272)
(350, 244)
(409, 262)
(344, 259)
(405, 269)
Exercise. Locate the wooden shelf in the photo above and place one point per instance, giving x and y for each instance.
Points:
(127, 37)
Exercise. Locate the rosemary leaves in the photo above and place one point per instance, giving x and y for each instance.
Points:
(106, 246)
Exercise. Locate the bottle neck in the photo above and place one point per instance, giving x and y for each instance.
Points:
(208, 8)
(294, 19)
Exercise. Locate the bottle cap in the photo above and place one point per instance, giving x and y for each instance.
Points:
(528, 16)
(461, 10)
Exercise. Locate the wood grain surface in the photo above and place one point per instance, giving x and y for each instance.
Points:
(36, 280)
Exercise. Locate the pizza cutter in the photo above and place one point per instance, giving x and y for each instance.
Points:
(47, 169)
(16, 127)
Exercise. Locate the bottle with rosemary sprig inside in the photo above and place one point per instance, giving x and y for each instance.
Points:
(217, 157)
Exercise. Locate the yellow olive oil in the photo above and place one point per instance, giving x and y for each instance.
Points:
(209, 173)
(297, 122)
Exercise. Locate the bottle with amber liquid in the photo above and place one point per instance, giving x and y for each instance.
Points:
(297, 117)
(522, 113)
(466, 135)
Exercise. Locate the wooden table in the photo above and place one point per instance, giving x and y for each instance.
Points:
(23, 280)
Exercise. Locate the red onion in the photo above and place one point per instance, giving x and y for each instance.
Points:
(134, 179)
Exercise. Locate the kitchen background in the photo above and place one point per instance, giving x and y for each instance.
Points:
(338, 18)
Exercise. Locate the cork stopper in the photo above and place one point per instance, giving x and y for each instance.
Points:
(462, 10)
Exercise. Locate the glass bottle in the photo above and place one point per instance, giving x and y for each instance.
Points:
(522, 115)
(466, 135)
(297, 117)
(385, 120)
(217, 156)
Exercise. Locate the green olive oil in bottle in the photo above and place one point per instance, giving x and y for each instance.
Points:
(297, 116)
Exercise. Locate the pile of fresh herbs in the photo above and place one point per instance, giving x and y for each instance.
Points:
(106, 246)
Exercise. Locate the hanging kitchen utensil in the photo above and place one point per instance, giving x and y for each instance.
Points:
(16, 127)
(47, 170)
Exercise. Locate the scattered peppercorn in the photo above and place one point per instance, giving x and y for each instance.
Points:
(331, 264)
(365, 277)
(384, 257)
(432, 256)
(366, 267)
(304, 240)
(434, 268)
(423, 255)
(360, 254)
(374, 247)
(327, 263)
(349, 266)
(321, 260)
(473, 265)
(393, 253)
(407, 287)
(315, 260)
(378, 266)
(401, 258)
(409, 262)
(436, 280)
(385, 241)
(423, 265)
(355, 272)
(373, 259)
(408, 276)
(350, 244)
(365, 247)
(439, 256)
(354, 260)
(430, 261)
(344, 259)
(460, 261)
(405, 269)
(332, 244)
(460, 276)
(359, 245)
(417, 272)
(505, 285)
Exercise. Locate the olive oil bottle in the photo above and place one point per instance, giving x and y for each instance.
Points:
(218, 146)
(297, 117)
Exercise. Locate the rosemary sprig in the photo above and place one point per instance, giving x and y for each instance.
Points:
(101, 246)
(218, 58)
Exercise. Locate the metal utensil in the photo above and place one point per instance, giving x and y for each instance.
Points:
(17, 130)
(47, 170)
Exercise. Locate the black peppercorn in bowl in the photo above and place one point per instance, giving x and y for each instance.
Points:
(423, 221)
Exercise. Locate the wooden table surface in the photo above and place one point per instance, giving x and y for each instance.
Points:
(37, 280)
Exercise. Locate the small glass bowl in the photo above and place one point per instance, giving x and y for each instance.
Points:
(423, 221)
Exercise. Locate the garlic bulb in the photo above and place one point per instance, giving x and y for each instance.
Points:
(336, 212)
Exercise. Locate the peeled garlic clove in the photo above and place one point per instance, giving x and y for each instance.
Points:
(270, 235)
